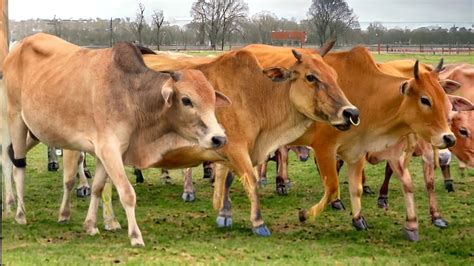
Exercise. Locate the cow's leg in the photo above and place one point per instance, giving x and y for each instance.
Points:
(244, 168)
(225, 177)
(325, 158)
(53, 164)
(110, 156)
(366, 189)
(428, 174)
(282, 180)
(208, 169)
(70, 167)
(189, 194)
(84, 189)
(7, 168)
(448, 180)
(98, 183)
(382, 201)
(354, 171)
(462, 168)
(138, 175)
(262, 173)
(165, 176)
(411, 225)
(110, 222)
(17, 153)
(337, 203)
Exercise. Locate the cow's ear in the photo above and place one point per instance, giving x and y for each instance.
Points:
(278, 74)
(222, 100)
(449, 86)
(167, 93)
(405, 87)
(460, 103)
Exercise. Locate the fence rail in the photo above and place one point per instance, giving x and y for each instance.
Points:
(422, 48)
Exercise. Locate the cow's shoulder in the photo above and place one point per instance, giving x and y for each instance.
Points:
(127, 57)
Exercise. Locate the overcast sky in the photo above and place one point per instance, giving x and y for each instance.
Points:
(456, 11)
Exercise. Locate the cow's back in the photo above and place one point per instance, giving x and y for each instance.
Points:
(54, 83)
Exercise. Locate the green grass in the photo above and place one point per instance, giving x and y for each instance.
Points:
(184, 233)
(426, 58)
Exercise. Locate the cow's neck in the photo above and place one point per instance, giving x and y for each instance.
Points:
(283, 123)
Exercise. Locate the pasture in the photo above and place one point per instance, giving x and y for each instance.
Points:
(176, 232)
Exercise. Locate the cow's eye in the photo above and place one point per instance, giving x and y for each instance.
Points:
(425, 101)
(311, 78)
(464, 132)
(187, 102)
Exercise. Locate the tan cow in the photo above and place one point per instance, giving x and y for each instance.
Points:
(391, 108)
(108, 103)
(268, 110)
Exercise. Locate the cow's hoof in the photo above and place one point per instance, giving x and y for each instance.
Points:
(63, 220)
(20, 218)
(112, 225)
(188, 196)
(83, 192)
(261, 230)
(367, 190)
(87, 172)
(92, 231)
(412, 234)
(139, 179)
(337, 205)
(207, 172)
(382, 202)
(262, 182)
(167, 180)
(224, 221)
(303, 215)
(137, 242)
(53, 166)
(281, 190)
(359, 224)
(440, 223)
(448, 185)
(289, 184)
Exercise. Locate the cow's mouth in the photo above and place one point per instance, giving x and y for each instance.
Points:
(343, 127)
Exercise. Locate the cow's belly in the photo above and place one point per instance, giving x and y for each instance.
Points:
(352, 150)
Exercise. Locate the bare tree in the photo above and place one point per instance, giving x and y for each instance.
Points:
(233, 12)
(138, 24)
(158, 19)
(218, 17)
(331, 18)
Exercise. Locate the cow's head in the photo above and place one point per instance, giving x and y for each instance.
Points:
(462, 124)
(302, 152)
(314, 90)
(426, 107)
(190, 102)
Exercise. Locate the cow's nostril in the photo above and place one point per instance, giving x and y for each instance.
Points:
(351, 115)
(218, 141)
(449, 140)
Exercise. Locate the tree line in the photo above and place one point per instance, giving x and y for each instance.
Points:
(218, 23)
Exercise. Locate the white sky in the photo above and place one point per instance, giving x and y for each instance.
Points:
(367, 10)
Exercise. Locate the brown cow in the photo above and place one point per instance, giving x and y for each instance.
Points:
(268, 111)
(393, 107)
(56, 90)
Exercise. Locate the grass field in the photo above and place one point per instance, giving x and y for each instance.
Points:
(184, 233)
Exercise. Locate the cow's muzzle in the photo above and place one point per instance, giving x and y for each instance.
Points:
(218, 141)
(351, 115)
(449, 140)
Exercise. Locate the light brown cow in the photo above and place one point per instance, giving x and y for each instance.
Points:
(268, 111)
(108, 103)
(393, 108)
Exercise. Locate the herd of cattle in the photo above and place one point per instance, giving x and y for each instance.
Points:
(127, 106)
